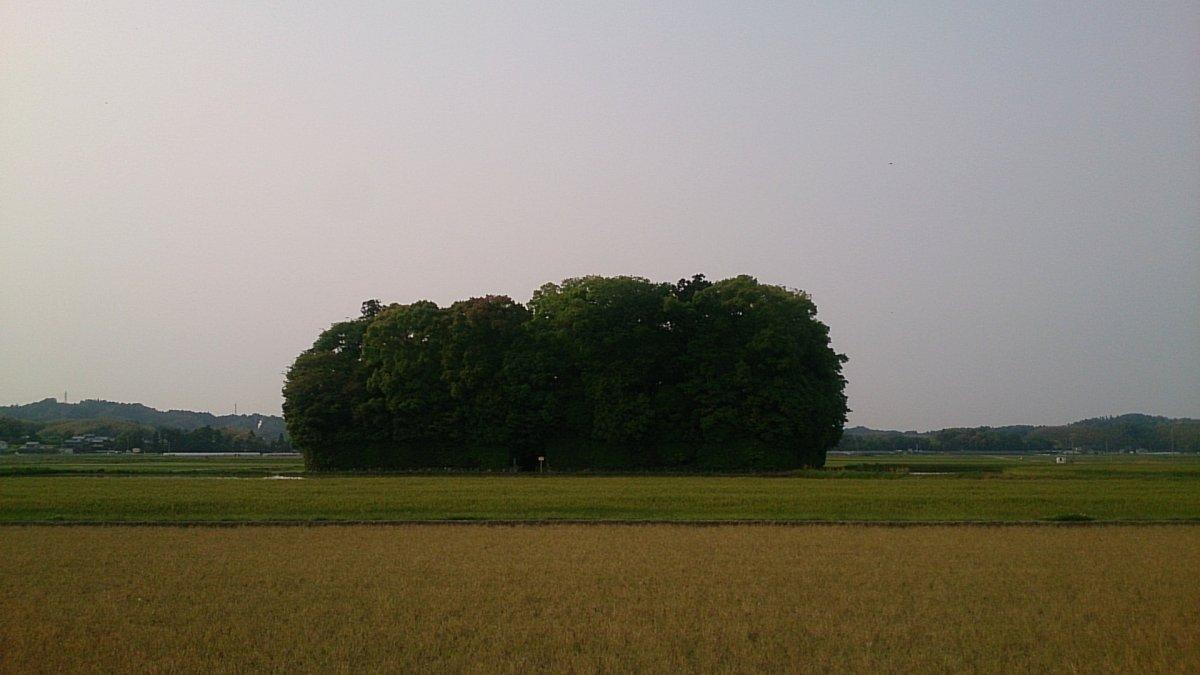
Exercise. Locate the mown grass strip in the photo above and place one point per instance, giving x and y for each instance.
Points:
(672, 499)
(1049, 522)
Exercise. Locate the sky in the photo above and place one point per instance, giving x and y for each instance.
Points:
(995, 206)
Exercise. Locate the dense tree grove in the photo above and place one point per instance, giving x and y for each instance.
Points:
(594, 373)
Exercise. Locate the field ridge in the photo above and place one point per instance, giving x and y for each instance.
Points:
(546, 522)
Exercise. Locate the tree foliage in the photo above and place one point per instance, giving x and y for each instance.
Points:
(596, 372)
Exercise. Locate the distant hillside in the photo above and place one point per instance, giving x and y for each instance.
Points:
(868, 431)
(267, 427)
(1101, 434)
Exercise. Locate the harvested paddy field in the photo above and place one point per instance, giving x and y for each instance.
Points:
(600, 598)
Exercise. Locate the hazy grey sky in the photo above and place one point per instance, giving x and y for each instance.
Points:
(996, 206)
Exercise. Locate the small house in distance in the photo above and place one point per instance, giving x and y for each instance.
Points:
(1061, 459)
(34, 447)
(89, 443)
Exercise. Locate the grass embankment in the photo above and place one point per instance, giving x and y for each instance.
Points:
(970, 465)
(889, 488)
(923, 498)
(612, 598)
(148, 464)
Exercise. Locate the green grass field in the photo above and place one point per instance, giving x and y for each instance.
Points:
(143, 465)
(891, 488)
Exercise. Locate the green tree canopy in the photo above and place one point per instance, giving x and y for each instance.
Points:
(596, 372)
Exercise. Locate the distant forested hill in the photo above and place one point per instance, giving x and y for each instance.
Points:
(1100, 434)
(267, 427)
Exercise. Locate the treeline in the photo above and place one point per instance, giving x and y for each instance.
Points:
(594, 373)
(208, 439)
(124, 436)
(51, 410)
(1123, 433)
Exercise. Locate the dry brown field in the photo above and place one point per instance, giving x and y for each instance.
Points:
(603, 598)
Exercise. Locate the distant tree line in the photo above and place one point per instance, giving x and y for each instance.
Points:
(1123, 433)
(594, 373)
(126, 436)
(51, 410)
(208, 439)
